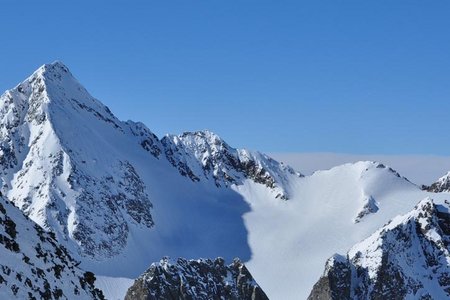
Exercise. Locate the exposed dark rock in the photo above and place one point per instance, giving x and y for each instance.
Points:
(34, 266)
(203, 154)
(441, 185)
(369, 207)
(196, 279)
(335, 282)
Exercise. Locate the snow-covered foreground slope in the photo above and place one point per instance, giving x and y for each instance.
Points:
(407, 259)
(34, 266)
(120, 198)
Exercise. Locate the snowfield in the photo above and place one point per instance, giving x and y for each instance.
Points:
(291, 241)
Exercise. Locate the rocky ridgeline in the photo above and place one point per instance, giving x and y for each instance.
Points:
(204, 155)
(408, 258)
(196, 279)
(441, 185)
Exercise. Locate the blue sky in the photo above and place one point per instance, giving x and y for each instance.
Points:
(277, 76)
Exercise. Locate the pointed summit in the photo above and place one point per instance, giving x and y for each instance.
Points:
(47, 75)
(54, 68)
(441, 185)
(52, 92)
(60, 166)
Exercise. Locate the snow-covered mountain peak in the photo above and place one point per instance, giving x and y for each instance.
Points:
(441, 185)
(406, 259)
(52, 89)
(54, 167)
(55, 69)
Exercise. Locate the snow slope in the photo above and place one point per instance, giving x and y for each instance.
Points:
(291, 240)
(119, 198)
(114, 288)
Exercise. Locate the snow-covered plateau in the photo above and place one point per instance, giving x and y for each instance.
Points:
(119, 198)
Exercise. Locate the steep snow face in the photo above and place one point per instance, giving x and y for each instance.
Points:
(441, 185)
(408, 258)
(204, 155)
(58, 167)
(196, 279)
(34, 266)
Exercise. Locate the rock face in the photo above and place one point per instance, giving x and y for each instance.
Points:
(407, 258)
(369, 207)
(34, 266)
(196, 279)
(441, 185)
(205, 155)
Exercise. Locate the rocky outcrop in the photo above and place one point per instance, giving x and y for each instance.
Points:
(34, 266)
(203, 154)
(369, 207)
(407, 258)
(196, 279)
(334, 284)
(441, 185)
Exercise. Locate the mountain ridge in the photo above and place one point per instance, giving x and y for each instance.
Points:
(407, 258)
(34, 265)
(119, 198)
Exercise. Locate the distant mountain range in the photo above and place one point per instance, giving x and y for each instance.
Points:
(111, 198)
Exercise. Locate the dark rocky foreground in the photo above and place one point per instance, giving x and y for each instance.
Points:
(196, 279)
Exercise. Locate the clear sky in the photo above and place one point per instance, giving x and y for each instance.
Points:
(277, 76)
